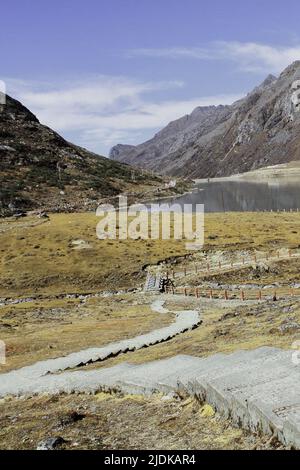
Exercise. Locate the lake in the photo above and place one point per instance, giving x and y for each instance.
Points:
(225, 196)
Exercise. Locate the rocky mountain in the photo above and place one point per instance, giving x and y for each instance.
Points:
(259, 130)
(39, 169)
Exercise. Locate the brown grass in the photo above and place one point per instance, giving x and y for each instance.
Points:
(45, 329)
(225, 329)
(41, 258)
(117, 422)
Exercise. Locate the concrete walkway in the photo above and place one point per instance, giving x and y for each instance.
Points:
(153, 282)
(258, 390)
(13, 382)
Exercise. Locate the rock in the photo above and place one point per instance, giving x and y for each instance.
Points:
(80, 244)
(228, 315)
(43, 215)
(51, 443)
(168, 397)
(258, 270)
(221, 332)
(288, 327)
(71, 418)
(7, 147)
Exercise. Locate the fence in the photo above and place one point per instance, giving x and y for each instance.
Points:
(213, 267)
(243, 294)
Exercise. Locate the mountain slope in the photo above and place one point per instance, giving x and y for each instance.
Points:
(259, 130)
(39, 169)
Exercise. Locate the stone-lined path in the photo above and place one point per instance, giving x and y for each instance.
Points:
(258, 389)
(153, 282)
(26, 379)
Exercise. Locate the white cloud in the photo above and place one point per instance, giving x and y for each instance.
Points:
(171, 52)
(256, 57)
(105, 111)
(249, 56)
(101, 94)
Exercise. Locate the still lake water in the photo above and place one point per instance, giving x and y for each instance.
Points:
(224, 196)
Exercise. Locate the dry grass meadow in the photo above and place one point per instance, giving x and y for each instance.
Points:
(42, 259)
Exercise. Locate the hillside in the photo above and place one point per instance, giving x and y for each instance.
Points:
(259, 130)
(41, 170)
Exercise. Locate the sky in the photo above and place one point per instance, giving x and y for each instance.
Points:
(102, 72)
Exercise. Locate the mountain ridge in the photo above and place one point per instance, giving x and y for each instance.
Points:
(258, 130)
(40, 170)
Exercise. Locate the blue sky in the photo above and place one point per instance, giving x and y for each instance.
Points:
(102, 72)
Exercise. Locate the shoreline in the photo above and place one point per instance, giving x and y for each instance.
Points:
(289, 171)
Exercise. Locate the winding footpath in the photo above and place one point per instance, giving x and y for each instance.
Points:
(41, 375)
(257, 389)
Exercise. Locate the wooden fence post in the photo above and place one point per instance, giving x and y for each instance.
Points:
(225, 295)
(259, 295)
